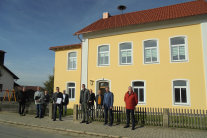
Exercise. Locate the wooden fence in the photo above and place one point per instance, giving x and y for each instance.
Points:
(183, 118)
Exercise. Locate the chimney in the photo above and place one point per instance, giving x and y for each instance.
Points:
(2, 53)
(106, 15)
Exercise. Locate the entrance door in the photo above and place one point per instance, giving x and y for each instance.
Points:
(102, 85)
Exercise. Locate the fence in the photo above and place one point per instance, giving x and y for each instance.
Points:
(166, 117)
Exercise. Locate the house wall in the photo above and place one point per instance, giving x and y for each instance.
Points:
(158, 77)
(7, 80)
(62, 75)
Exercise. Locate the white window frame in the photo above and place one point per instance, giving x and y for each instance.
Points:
(103, 65)
(119, 51)
(186, 49)
(158, 53)
(187, 92)
(68, 68)
(144, 87)
(67, 90)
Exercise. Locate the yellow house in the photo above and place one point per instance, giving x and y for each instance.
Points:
(161, 53)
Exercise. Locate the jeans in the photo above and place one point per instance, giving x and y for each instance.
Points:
(84, 108)
(55, 111)
(106, 110)
(91, 111)
(39, 110)
(21, 107)
(128, 112)
(64, 108)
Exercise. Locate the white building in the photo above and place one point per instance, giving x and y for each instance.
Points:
(7, 78)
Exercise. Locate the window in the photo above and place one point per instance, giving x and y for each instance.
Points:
(139, 89)
(125, 53)
(150, 51)
(178, 49)
(180, 92)
(71, 90)
(72, 60)
(103, 55)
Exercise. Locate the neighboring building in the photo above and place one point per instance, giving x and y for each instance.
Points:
(161, 52)
(7, 78)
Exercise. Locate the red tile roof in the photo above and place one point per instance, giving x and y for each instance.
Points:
(64, 47)
(187, 9)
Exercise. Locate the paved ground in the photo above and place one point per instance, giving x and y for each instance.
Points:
(98, 128)
(11, 131)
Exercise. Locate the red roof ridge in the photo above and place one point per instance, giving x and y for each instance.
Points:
(179, 10)
(64, 46)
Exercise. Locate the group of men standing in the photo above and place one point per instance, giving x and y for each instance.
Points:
(106, 102)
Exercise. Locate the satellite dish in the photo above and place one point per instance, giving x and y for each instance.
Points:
(121, 8)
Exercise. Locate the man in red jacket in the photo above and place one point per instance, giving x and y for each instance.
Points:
(131, 101)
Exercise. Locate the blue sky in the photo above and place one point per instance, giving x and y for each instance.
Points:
(29, 27)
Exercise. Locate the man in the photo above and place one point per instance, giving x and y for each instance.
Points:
(57, 100)
(131, 101)
(46, 101)
(91, 102)
(21, 96)
(108, 106)
(99, 102)
(38, 97)
(84, 99)
(65, 102)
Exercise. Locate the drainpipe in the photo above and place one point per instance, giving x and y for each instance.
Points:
(80, 39)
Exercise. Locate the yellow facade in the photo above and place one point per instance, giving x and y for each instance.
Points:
(158, 77)
(62, 75)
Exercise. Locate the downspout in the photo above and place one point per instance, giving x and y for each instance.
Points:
(80, 39)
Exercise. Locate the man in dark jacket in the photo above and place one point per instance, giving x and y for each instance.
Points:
(131, 101)
(108, 106)
(91, 103)
(46, 101)
(57, 99)
(22, 101)
(84, 99)
(65, 102)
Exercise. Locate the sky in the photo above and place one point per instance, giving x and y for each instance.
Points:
(29, 27)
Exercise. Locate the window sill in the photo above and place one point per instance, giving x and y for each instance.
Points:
(181, 104)
(179, 61)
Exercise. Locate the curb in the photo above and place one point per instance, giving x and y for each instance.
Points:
(62, 129)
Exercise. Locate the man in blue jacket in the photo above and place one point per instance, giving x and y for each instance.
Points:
(108, 106)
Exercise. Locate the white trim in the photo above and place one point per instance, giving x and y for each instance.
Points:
(127, 64)
(204, 43)
(84, 63)
(145, 95)
(158, 52)
(71, 99)
(105, 80)
(186, 49)
(74, 51)
(103, 65)
(187, 93)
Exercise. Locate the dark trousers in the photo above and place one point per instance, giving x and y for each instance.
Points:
(39, 110)
(91, 111)
(44, 109)
(106, 110)
(128, 112)
(59, 106)
(64, 108)
(84, 108)
(21, 108)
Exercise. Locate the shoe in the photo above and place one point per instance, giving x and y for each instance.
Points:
(133, 128)
(82, 121)
(36, 116)
(54, 120)
(23, 114)
(126, 126)
(60, 119)
(105, 124)
(110, 125)
(87, 122)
